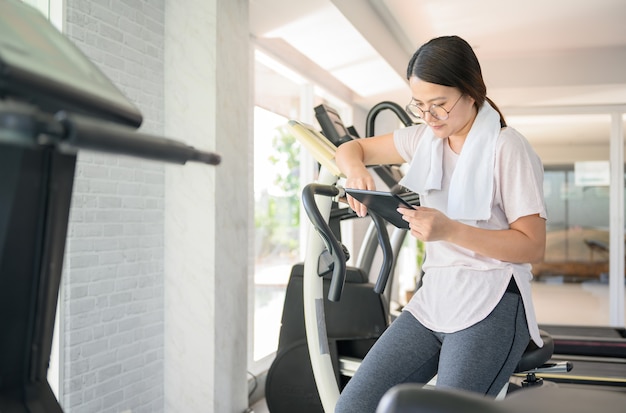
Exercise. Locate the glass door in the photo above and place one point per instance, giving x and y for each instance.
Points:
(572, 284)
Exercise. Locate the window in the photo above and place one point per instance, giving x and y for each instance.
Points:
(281, 169)
(52, 9)
(276, 222)
(276, 196)
(572, 284)
(579, 218)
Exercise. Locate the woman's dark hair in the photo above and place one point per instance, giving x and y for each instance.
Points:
(450, 61)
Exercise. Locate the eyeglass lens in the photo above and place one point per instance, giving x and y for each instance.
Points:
(436, 111)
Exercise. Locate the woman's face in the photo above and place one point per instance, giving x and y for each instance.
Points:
(459, 108)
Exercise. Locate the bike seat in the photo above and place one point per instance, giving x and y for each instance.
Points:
(535, 357)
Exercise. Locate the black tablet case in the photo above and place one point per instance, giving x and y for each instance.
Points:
(383, 204)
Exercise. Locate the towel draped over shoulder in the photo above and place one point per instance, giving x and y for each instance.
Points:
(472, 183)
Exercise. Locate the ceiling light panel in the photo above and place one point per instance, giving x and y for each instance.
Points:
(327, 37)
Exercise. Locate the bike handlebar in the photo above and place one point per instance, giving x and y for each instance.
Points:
(385, 245)
(333, 246)
(392, 106)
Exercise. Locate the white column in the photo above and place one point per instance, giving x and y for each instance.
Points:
(207, 105)
(616, 216)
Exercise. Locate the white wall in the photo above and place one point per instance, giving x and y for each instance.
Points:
(207, 104)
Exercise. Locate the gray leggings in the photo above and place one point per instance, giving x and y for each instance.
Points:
(480, 358)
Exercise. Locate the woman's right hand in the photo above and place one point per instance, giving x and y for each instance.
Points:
(352, 158)
(359, 180)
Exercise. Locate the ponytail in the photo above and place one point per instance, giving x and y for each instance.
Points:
(493, 105)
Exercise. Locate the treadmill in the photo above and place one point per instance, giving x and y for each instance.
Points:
(599, 354)
(53, 103)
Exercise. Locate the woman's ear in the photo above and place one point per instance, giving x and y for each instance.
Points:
(471, 100)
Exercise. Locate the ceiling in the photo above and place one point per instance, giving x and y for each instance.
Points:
(557, 57)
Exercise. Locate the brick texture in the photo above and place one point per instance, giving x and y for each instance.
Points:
(112, 303)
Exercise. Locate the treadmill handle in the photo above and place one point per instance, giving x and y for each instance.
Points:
(82, 132)
(321, 226)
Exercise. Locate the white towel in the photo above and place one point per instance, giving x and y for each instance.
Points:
(471, 184)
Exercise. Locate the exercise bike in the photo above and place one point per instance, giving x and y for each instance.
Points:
(360, 317)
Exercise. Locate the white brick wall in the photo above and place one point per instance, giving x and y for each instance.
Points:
(113, 274)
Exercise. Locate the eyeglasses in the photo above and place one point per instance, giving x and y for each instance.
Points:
(436, 111)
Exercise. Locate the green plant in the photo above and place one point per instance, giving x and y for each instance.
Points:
(279, 218)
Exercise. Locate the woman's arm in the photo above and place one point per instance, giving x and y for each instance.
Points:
(354, 156)
(523, 242)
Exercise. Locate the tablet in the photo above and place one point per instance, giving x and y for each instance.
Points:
(383, 204)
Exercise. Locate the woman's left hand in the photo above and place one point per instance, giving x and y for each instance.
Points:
(427, 224)
(524, 241)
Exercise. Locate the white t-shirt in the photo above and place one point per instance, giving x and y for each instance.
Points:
(460, 287)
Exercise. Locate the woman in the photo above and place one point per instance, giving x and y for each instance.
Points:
(482, 216)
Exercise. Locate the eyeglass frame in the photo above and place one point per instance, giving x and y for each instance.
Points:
(430, 109)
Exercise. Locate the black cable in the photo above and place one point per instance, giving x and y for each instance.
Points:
(255, 384)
